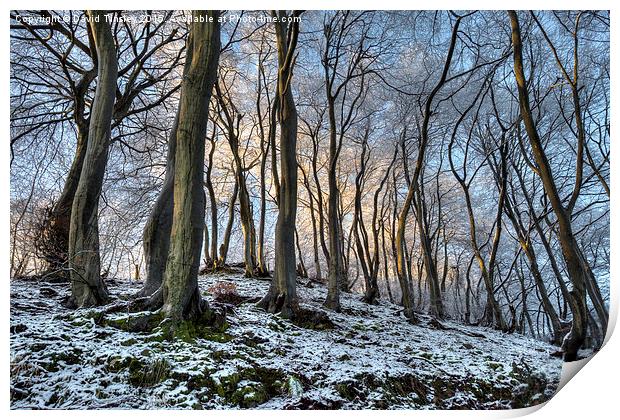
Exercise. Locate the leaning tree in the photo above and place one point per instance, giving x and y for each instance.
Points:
(87, 286)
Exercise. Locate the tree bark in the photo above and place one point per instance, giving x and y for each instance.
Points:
(181, 296)
(87, 286)
(315, 234)
(212, 200)
(282, 294)
(54, 242)
(231, 220)
(156, 234)
(335, 269)
(231, 120)
(576, 264)
(414, 193)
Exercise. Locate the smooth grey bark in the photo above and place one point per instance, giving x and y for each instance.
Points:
(87, 286)
(314, 135)
(265, 146)
(205, 251)
(282, 294)
(301, 266)
(181, 296)
(156, 233)
(335, 262)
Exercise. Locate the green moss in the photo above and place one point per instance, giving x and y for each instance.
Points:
(495, 365)
(217, 336)
(135, 322)
(352, 390)
(149, 373)
(359, 327)
(343, 391)
(249, 395)
(248, 387)
(70, 356)
(275, 327)
(210, 326)
(408, 386)
(118, 363)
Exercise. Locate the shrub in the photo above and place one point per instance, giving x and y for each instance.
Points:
(225, 292)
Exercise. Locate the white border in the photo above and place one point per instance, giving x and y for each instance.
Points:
(593, 394)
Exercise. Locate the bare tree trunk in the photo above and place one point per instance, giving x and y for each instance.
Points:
(273, 120)
(415, 193)
(265, 146)
(261, 269)
(229, 226)
(436, 305)
(282, 295)
(156, 234)
(468, 291)
(335, 248)
(54, 243)
(181, 296)
(526, 245)
(212, 200)
(206, 255)
(301, 267)
(87, 286)
(232, 120)
(319, 195)
(315, 234)
(576, 264)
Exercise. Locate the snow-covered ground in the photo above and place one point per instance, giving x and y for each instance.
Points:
(371, 358)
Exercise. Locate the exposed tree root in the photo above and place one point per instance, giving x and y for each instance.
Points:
(436, 325)
(409, 314)
(278, 303)
(370, 299)
(147, 314)
(331, 302)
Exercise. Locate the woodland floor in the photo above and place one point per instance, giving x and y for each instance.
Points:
(370, 358)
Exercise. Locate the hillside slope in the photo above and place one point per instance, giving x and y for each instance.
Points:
(369, 358)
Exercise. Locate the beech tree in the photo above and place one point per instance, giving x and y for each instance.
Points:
(87, 286)
(282, 294)
(428, 176)
(576, 264)
(414, 194)
(181, 296)
(70, 50)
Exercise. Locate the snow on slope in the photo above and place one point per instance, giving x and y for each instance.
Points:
(372, 358)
